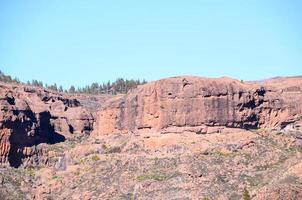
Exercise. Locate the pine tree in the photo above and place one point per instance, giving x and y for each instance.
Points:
(40, 83)
(71, 89)
(60, 88)
(55, 88)
(94, 88)
(34, 83)
(16, 80)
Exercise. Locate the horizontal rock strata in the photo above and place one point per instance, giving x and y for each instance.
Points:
(179, 102)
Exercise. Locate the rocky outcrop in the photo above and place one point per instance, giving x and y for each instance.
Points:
(32, 117)
(169, 105)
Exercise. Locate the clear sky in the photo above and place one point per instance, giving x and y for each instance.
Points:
(80, 42)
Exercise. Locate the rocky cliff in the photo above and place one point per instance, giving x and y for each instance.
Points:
(31, 117)
(198, 104)
(226, 159)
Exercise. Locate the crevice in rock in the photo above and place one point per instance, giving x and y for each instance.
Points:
(71, 129)
(10, 99)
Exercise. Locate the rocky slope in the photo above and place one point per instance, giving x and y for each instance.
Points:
(215, 166)
(177, 138)
(193, 103)
(31, 117)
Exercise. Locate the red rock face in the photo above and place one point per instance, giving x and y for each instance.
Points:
(179, 102)
(30, 117)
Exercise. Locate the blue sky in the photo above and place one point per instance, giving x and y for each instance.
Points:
(80, 42)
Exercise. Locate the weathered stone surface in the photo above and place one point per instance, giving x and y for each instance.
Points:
(196, 102)
(30, 116)
(280, 192)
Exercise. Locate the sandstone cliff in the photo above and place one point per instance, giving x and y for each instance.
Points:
(220, 162)
(31, 116)
(197, 104)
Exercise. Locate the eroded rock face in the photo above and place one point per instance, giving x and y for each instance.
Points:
(31, 117)
(180, 102)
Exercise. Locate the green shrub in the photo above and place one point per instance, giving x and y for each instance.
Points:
(246, 195)
(95, 158)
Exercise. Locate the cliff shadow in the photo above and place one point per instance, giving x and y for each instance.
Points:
(28, 133)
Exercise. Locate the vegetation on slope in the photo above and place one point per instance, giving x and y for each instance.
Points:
(120, 86)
